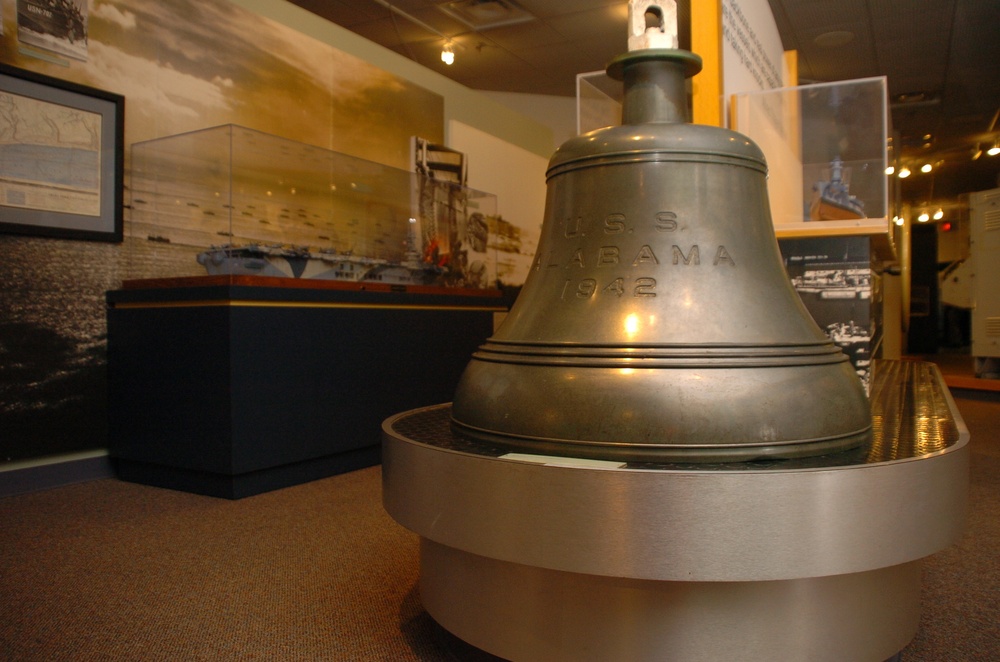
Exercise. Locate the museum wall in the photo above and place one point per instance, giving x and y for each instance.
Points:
(557, 113)
(184, 66)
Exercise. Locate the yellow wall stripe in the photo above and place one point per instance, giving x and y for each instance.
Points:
(243, 303)
(706, 41)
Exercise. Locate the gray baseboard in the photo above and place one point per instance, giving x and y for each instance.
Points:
(47, 473)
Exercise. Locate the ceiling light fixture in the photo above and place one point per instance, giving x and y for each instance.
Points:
(924, 217)
(898, 220)
(904, 172)
(447, 53)
(939, 214)
(834, 39)
(925, 168)
(890, 170)
(995, 149)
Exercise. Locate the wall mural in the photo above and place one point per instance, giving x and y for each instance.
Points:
(183, 66)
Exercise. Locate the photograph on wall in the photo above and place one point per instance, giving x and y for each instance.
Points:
(59, 26)
(454, 222)
(832, 276)
(60, 163)
(34, 134)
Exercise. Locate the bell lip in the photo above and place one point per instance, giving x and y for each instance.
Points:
(819, 345)
(659, 452)
(691, 62)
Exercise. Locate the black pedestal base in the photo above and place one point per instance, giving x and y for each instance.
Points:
(244, 485)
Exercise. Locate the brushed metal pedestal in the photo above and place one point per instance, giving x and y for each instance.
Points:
(544, 558)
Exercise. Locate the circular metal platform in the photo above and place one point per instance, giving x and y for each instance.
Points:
(546, 558)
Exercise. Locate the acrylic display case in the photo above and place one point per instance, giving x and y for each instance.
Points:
(826, 151)
(598, 101)
(232, 200)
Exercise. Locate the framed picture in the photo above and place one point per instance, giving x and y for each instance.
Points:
(61, 158)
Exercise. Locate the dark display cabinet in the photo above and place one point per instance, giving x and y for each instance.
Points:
(235, 385)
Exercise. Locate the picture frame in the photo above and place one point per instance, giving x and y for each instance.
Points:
(61, 158)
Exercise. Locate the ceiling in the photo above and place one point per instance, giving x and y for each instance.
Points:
(941, 59)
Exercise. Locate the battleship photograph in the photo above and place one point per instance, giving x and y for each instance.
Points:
(833, 279)
(55, 25)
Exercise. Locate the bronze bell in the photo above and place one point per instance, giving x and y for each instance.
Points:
(657, 322)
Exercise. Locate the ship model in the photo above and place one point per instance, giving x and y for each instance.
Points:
(283, 261)
(832, 201)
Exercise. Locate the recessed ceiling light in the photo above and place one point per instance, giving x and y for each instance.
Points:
(448, 53)
(834, 38)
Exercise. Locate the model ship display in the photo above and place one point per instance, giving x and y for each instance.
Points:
(832, 200)
(280, 261)
(266, 206)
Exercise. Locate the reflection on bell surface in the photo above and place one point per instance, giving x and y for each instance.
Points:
(657, 322)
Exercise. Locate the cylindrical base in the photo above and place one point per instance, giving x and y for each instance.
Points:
(533, 557)
(526, 613)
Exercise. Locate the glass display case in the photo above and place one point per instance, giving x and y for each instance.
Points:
(598, 101)
(826, 151)
(233, 200)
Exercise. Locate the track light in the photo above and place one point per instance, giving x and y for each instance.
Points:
(447, 53)
(993, 151)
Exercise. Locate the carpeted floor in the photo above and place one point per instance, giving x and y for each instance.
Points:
(108, 570)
